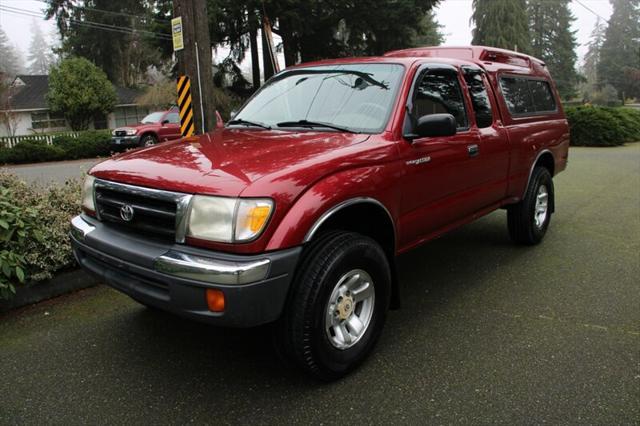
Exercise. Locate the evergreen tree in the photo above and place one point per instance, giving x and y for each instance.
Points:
(40, 57)
(10, 63)
(122, 53)
(592, 57)
(553, 41)
(501, 23)
(429, 31)
(619, 62)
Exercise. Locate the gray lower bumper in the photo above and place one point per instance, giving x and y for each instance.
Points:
(125, 141)
(175, 278)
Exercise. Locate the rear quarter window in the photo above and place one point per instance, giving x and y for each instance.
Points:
(526, 96)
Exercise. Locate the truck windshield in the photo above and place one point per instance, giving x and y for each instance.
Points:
(348, 97)
(154, 117)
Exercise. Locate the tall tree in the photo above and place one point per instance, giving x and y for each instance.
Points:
(429, 31)
(10, 65)
(40, 55)
(106, 32)
(592, 57)
(316, 29)
(619, 63)
(553, 41)
(501, 23)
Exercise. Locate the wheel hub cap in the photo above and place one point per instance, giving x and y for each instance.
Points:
(350, 309)
(345, 308)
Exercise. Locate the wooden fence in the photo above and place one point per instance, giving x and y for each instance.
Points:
(11, 141)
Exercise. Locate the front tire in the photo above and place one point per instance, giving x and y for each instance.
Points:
(148, 140)
(529, 219)
(338, 306)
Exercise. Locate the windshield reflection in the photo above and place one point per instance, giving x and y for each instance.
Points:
(356, 98)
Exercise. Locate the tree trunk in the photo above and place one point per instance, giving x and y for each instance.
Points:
(255, 58)
(288, 42)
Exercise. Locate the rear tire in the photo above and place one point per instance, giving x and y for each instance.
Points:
(529, 219)
(338, 305)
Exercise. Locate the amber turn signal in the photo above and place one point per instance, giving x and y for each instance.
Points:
(215, 300)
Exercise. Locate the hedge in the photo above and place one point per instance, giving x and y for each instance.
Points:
(603, 126)
(88, 144)
(34, 228)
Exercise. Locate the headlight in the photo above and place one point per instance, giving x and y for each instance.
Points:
(87, 194)
(113, 132)
(131, 132)
(228, 220)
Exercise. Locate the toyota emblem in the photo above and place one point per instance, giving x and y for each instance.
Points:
(126, 213)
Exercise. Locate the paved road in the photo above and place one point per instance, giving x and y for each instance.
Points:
(489, 334)
(57, 172)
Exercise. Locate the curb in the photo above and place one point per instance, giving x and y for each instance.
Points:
(60, 284)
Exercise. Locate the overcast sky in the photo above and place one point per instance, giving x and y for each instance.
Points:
(454, 15)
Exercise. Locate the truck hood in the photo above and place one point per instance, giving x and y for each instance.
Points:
(227, 161)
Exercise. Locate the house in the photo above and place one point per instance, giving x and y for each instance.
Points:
(26, 111)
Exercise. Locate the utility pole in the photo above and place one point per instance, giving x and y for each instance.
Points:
(197, 51)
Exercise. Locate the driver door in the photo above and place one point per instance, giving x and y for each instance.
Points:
(440, 174)
(171, 126)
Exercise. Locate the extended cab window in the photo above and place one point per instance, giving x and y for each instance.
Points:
(543, 99)
(517, 95)
(439, 92)
(527, 96)
(479, 98)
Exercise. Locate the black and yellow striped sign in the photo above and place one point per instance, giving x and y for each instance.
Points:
(185, 105)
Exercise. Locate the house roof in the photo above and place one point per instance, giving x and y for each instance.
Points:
(30, 91)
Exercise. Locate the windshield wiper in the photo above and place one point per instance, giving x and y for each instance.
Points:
(248, 123)
(307, 123)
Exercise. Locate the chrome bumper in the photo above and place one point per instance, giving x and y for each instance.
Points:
(193, 267)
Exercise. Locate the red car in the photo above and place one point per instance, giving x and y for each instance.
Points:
(159, 126)
(295, 211)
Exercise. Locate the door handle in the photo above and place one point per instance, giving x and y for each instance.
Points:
(473, 150)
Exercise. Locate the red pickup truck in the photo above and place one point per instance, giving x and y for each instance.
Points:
(295, 211)
(159, 126)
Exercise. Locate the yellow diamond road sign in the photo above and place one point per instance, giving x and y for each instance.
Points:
(176, 32)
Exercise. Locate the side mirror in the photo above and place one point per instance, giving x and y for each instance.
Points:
(434, 125)
(165, 122)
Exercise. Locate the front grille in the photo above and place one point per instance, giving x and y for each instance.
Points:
(151, 216)
(121, 133)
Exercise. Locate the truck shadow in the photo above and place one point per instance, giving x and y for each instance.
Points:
(219, 360)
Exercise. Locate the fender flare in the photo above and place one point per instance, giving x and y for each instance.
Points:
(344, 204)
(533, 165)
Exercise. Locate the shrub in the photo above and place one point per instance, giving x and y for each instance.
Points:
(86, 145)
(89, 144)
(34, 227)
(29, 151)
(603, 126)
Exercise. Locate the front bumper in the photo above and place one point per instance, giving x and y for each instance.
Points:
(125, 141)
(175, 277)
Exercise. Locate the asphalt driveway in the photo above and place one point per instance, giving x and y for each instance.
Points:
(57, 172)
(489, 333)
